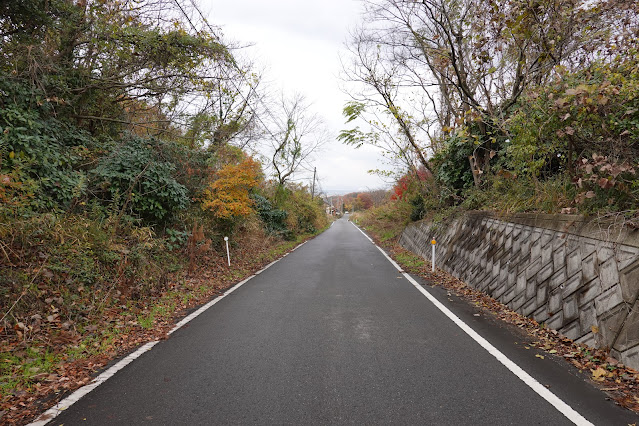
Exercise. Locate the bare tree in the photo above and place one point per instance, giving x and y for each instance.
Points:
(483, 54)
(379, 196)
(230, 112)
(296, 133)
(378, 96)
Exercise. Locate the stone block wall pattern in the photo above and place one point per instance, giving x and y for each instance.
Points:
(578, 277)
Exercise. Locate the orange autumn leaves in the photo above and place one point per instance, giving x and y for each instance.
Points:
(228, 196)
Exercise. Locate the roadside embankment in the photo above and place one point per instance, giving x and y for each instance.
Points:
(576, 276)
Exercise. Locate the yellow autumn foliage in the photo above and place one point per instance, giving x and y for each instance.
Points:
(228, 196)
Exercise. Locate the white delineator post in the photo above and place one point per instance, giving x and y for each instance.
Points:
(228, 254)
(433, 242)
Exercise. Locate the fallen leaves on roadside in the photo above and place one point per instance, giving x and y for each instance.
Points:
(599, 374)
(620, 381)
(48, 334)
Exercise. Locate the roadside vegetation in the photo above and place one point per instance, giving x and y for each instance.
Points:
(129, 147)
(508, 106)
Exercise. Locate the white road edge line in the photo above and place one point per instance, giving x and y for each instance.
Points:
(67, 402)
(530, 381)
(266, 267)
(203, 308)
(298, 246)
(370, 239)
(55, 411)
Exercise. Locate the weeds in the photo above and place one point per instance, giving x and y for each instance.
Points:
(146, 321)
(410, 261)
(75, 295)
(387, 221)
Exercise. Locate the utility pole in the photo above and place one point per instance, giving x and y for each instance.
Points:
(313, 186)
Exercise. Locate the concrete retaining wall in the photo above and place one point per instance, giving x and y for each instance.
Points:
(580, 278)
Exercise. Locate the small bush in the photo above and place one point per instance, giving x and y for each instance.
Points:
(304, 214)
(38, 149)
(418, 209)
(134, 178)
(452, 167)
(274, 219)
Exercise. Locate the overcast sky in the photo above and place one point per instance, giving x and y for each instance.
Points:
(298, 42)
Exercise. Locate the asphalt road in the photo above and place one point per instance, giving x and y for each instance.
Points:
(334, 334)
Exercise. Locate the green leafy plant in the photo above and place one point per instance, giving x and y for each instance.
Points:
(39, 148)
(452, 167)
(607, 184)
(137, 181)
(274, 219)
(175, 239)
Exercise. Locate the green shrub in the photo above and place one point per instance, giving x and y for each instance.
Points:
(303, 214)
(37, 147)
(274, 219)
(135, 178)
(176, 239)
(452, 167)
(418, 209)
(591, 112)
